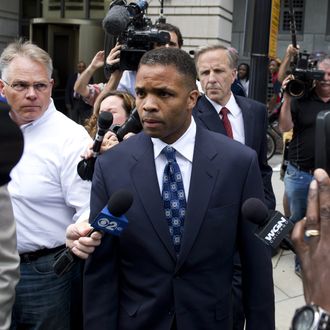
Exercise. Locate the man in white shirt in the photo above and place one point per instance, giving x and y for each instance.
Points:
(47, 193)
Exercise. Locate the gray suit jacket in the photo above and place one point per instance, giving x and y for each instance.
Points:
(9, 259)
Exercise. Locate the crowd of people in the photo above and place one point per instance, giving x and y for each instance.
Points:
(188, 259)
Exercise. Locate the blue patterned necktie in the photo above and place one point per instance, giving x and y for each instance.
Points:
(174, 197)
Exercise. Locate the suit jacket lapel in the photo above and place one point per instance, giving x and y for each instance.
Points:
(202, 180)
(205, 112)
(248, 120)
(145, 180)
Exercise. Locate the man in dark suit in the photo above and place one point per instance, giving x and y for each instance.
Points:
(216, 67)
(77, 109)
(167, 271)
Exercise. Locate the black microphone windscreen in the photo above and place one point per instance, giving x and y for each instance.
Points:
(254, 210)
(132, 125)
(119, 202)
(105, 120)
(116, 20)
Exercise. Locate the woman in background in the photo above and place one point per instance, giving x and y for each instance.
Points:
(243, 75)
(120, 104)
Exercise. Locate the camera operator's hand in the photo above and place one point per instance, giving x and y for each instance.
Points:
(113, 60)
(285, 122)
(292, 51)
(109, 140)
(314, 251)
(114, 56)
(284, 86)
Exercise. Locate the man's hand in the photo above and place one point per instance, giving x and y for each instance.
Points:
(314, 251)
(114, 55)
(98, 60)
(77, 241)
(284, 85)
(292, 51)
(109, 141)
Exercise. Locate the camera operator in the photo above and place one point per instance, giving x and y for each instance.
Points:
(300, 114)
(123, 80)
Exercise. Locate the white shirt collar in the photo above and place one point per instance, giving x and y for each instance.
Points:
(51, 109)
(184, 145)
(231, 105)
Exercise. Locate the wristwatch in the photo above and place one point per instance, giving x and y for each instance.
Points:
(311, 317)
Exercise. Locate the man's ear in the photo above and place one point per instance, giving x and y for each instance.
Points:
(192, 99)
(234, 75)
(2, 89)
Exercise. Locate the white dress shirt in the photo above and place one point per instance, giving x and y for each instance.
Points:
(235, 117)
(46, 191)
(245, 83)
(184, 147)
(127, 82)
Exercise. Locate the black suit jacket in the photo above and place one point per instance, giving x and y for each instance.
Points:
(255, 128)
(78, 109)
(11, 144)
(135, 281)
(69, 99)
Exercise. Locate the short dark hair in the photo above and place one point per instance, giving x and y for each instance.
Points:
(172, 28)
(175, 57)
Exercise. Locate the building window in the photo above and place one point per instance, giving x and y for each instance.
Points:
(97, 4)
(298, 8)
(76, 5)
(31, 9)
(54, 5)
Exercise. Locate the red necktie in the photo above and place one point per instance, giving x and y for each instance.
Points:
(226, 123)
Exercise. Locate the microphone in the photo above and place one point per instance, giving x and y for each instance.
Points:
(103, 123)
(116, 20)
(110, 220)
(322, 140)
(132, 125)
(85, 167)
(273, 226)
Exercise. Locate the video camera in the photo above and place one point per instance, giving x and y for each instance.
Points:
(304, 73)
(135, 31)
